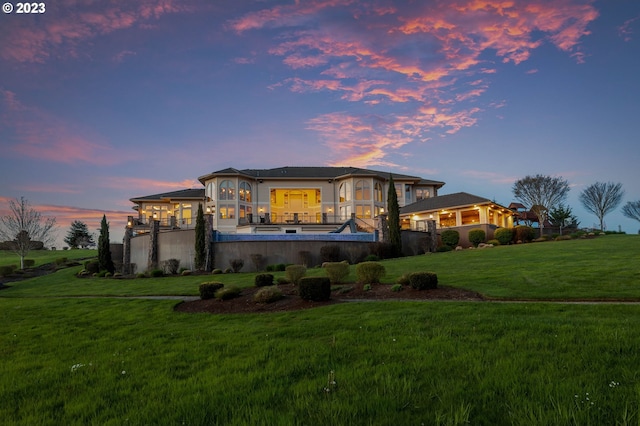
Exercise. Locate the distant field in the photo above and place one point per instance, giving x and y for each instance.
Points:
(45, 256)
(129, 361)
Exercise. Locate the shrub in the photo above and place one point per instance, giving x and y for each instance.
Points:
(7, 270)
(228, 271)
(61, 261)
(504, 235)
(366, 287)
(156, 273)
(91, 266)
(305, 257)
(101, 274)
(28, 263)
(236, 264)
(216, 271)
(423, 280)
(477, 236)
(170, 266)
(141, 275)
(295, 272)
(494, 242)
(282, 280)
(258, 261)
(330, 253)
(384, 250)
(450, 237)
(267, 294)
(315, 288)
(108, 274)
(277, 267)
(117, 275)
(403, 279)
(263, 280)
(208, 290)
(396, 287)
(185, 272)
(227, 293)
(523, 233)
(336, 271)
(371, 258)
(369, 272)
(563, 237)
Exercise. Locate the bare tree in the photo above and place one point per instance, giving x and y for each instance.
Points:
(602, 198)
(25, 228)
(540, 194)
(632, 210)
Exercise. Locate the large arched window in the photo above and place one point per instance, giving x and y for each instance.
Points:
(377, 192)
(245, 192)
(227, 190)
(363, 190)
(345, 191)
(211, 191)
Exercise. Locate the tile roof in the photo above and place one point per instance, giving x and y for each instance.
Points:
(290, 172)
(459, 199)
(194, 193)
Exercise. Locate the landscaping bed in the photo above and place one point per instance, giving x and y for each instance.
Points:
(339, 294)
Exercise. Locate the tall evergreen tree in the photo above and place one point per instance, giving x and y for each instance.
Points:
(200, 248)
(393, 210)
(79, 236)
(105, 263)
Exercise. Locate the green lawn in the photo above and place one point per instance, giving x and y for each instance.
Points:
(45, 256)
(129, 361)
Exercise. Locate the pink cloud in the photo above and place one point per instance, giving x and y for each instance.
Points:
(41, 135)
(626, 29)
(148, 185)
(75, 23)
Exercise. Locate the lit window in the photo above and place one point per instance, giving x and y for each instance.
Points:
(227, 190)
(245, 192)
(211, 191)
(363, 190)
(345, 192)
(377, 192)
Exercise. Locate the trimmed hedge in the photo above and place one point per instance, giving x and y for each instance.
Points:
(450, 237)
(263, 280)
(504, 235)
(523, 234)
(369, 272)
(423, 280)
(295, 272)
(208, 290)
(336, 271)
(226, 293)
(268, 294)
(316, 289)
(477, 236)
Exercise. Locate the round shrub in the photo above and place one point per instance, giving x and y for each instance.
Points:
(403, 279)
(369, 272)
(372, 258)
(263, 280)
(91, 266)
(268, 294)
(504, 235)
(208, 290)
(494, 242)
(216, 271)
(295, 272)
(523, 234)
(282, 281)
(185, 272)
(450, 237)
(477, 236)
(227, 293)
(423, 280)
(141, 275)
(315, 288)
(107, 275)
(336, 271)
(157, 273)
(396, 287)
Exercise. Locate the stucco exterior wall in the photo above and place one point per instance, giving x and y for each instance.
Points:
(177, 244)
(139, 253)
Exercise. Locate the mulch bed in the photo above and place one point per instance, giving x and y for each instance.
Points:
(345, 293)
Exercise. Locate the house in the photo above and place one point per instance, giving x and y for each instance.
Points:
(304, 199)
(461, 211)
(176, 209)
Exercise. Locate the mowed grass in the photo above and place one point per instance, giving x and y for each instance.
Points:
(603, 268)
(113, 361)
(129, 361)
(42, 257)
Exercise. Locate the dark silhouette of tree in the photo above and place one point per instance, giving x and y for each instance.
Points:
(632, 210)
(602, 198)
(105, 263)
(25, 228)
(540, 194)
(79, 236)
(393, 220)
(562, 217)
(200, 248)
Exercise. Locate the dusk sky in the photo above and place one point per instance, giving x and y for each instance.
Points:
(103, 101)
